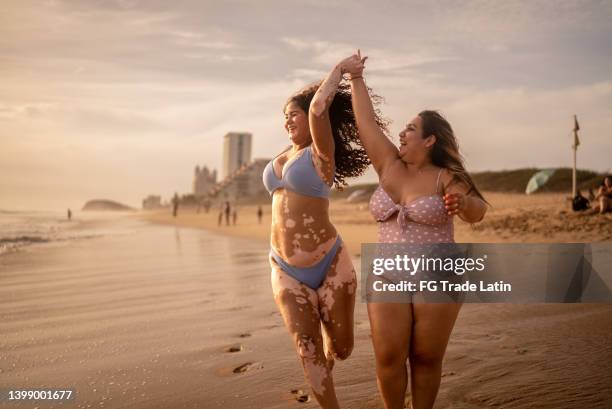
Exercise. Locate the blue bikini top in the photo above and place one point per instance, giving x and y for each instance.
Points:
(300, 176)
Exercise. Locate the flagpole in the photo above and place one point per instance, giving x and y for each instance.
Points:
(575, 148)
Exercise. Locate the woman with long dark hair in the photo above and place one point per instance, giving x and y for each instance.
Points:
(423, 184)
(313, 278)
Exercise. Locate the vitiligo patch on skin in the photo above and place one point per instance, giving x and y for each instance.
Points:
(307, 251)
(326, 92)
(318, 107)
(303, 324)
(303, 309)
(339, 286)
(323, 167)
(318, 374)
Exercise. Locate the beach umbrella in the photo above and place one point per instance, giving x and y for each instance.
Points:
(538, 180)
(357, 195)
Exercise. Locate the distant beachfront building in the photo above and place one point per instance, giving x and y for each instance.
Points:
(203, 181)
(151, 202)
(236, 151)
(241, 177)
(243, 185)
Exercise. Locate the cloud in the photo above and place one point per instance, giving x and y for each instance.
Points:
(512, 19)
(382, 61)
(510, 127)
(138, 92)
(190, 39)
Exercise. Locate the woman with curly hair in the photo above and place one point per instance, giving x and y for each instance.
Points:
(313, 278)
(423, 184)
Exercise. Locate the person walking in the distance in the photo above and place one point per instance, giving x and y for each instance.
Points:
(227, 210)
(175, 204)
(220, 217)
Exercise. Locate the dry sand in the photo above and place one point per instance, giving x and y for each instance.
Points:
(512, 218)
(145, 318)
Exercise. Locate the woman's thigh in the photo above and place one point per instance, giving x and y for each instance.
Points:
(337, 302)
(433, 324)
(298, 303)
(391, 326)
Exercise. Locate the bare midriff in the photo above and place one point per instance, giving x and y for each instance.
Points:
(301, 232)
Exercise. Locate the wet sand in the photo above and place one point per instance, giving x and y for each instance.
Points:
(147, 317)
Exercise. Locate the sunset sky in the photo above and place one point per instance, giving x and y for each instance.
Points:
(120, 99)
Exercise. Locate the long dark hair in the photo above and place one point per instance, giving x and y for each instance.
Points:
(350, 157)
(445, 152)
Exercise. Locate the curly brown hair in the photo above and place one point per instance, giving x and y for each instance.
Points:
(350, 156)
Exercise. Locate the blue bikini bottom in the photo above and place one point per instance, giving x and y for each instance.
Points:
(312, 276)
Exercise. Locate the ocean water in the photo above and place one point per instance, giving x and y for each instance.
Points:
(20, 229)
(140, 317)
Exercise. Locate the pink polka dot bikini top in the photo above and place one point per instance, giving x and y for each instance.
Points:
(423, 220)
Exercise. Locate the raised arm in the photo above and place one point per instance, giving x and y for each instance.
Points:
(320, 125)
(380, 149)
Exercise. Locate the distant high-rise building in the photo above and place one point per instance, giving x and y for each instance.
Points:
(236, 151)
(203, 180)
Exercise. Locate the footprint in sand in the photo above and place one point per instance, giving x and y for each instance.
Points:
(494, 337)
(249, 366)
(234, 348)
(238, 308)
(244, 335)
(300, 395)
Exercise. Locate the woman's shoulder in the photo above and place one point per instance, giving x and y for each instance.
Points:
(444, 175)
(449, 180)
(283, 154)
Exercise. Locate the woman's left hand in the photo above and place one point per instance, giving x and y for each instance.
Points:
(353, 65)
(455, 203)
